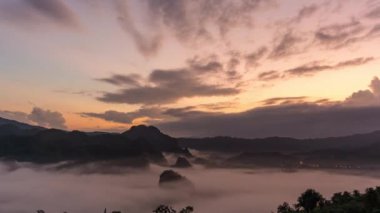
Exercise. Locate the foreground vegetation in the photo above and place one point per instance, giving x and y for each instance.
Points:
(159, 209)
(312, 201)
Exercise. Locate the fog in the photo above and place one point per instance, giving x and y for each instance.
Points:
(28, 188)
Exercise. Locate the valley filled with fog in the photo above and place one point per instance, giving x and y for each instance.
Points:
(26, 188)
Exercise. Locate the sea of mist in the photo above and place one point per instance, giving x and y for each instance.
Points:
(27, 187)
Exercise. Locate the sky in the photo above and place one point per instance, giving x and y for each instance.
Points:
(242, 68)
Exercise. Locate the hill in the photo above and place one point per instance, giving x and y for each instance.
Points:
(280, 144)
(10, 127)
(23, 142)
(144, 144)
(351, 152)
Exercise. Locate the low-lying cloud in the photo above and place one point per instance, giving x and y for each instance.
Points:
(126, 117)
(27, 189)
(368, 97)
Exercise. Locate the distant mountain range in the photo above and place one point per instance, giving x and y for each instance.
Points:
(349, 152)
(23, 142)
(280, 144)
(143, 144)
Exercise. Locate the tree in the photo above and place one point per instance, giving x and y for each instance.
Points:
(372, 198)
(340, 198)
(188, 209)
(164, 209)
(309, 200)
(168, 209)
(284, 208)
(346, 202)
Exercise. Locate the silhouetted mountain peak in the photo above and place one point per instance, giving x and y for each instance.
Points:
(170, 179)
(11, 127)
(4, 121)
(148, 133)
(154, 137)
(143, 130)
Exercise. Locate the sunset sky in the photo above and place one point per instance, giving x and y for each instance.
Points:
(245, 68)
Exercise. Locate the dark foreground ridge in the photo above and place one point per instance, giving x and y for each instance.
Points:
(159, 209)
(311, 201)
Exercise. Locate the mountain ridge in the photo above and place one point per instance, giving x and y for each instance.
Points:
(55, 145)
(148, 144)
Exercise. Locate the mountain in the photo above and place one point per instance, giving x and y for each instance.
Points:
(143, 144)
(266, 159)
(23, 142)
(154, 137)
(280, 144)
(50, 146)
(10, 127)
(349, 152)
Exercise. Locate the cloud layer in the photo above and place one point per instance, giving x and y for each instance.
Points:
(312, 68)
(298, 117)
(38, 116)
(32, 12)
(168, 86)
(27, 189)
(230, 50)
(289, 117)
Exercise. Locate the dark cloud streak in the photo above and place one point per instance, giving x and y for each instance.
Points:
(286, 45)
(253, 58)
(187, 21)
(374, 13)
(125, 117)
(167, 86)
(119, 80)
(284, 100)
(147, 45)
(306, 12)
(56, 10)
(28, 12)
(269, 75)
(311, 68)
(314, 67)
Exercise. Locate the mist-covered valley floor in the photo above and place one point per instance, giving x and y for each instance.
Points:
(25, 188)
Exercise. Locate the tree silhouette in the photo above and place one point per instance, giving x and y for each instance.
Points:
(284, 208)
(309, 200)
(164, 209)
(372, 198)
(346, 202)
(169, 209)
(188, 209)
(340, 198)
